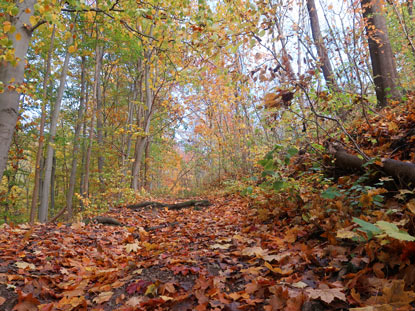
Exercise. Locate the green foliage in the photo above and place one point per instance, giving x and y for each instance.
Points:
(382, 227)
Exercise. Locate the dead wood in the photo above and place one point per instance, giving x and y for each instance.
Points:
(176, 206)
(106, 221)
(403, 173)
(165, 225)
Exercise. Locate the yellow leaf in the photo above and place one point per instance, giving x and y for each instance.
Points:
(18, 36)
(72, 49)
(7, 26)
(33, 20)
(346, 234)
(27, 11)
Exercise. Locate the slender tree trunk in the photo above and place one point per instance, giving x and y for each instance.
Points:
(72, 179)
(385, 75)
(321, 48)
(39, 153)
(98, 99)
(53, 182)
(147, 166)
(88, 155)
(44, 204)
(13, 71)
(141, 141)
(84, 147)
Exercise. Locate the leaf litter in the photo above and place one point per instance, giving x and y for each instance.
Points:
(218, 258)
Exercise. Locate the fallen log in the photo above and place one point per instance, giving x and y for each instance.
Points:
(403, 173)
(104, 220)
(176, 206)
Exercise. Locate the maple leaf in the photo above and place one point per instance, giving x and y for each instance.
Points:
(25, 265)
(132, 247)
(26, 302)
(394, 294)
(254, 251)
(134, 301)
(326, 294)
(220, 246)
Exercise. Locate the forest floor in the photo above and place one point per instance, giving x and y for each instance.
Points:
(219, 257)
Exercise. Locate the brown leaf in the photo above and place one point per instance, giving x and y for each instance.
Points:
(26, 302)
(103, 297)
(327, 294)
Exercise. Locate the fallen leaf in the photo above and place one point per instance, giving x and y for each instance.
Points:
(327, 294)
(254, 251)
(133, 247)
(220, 246)
(26, 302)
(134, 301)
(299, 285)
(25, 265)
(103, 297)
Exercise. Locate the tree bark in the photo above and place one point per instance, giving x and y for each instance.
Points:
(402, 172)
(175, 206)
(383, 66)
(324, 62)
(43, 210)
(141, 141)
(11, 77)
(98, 99)
(35, 193)
(72, 178)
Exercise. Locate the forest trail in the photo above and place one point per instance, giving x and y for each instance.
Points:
(220, 257)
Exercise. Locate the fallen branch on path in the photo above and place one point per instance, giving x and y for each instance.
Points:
(104, 220)
(176, 206)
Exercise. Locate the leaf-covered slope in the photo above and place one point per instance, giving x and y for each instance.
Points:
(217, 258)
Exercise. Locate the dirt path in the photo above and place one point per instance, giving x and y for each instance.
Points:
(216, 258)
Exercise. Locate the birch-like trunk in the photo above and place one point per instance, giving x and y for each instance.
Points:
(11, 77)
(39, 152)
(44, 202)
(98, 99)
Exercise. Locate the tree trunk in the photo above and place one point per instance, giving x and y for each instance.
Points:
(44, 204)
(385, 75)
(98, 99)
(33, 206)
(13, 71)
(147, 166)
(321, 48)
(53, 182)
(141, 141)
(72, 179)
(85, 192)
